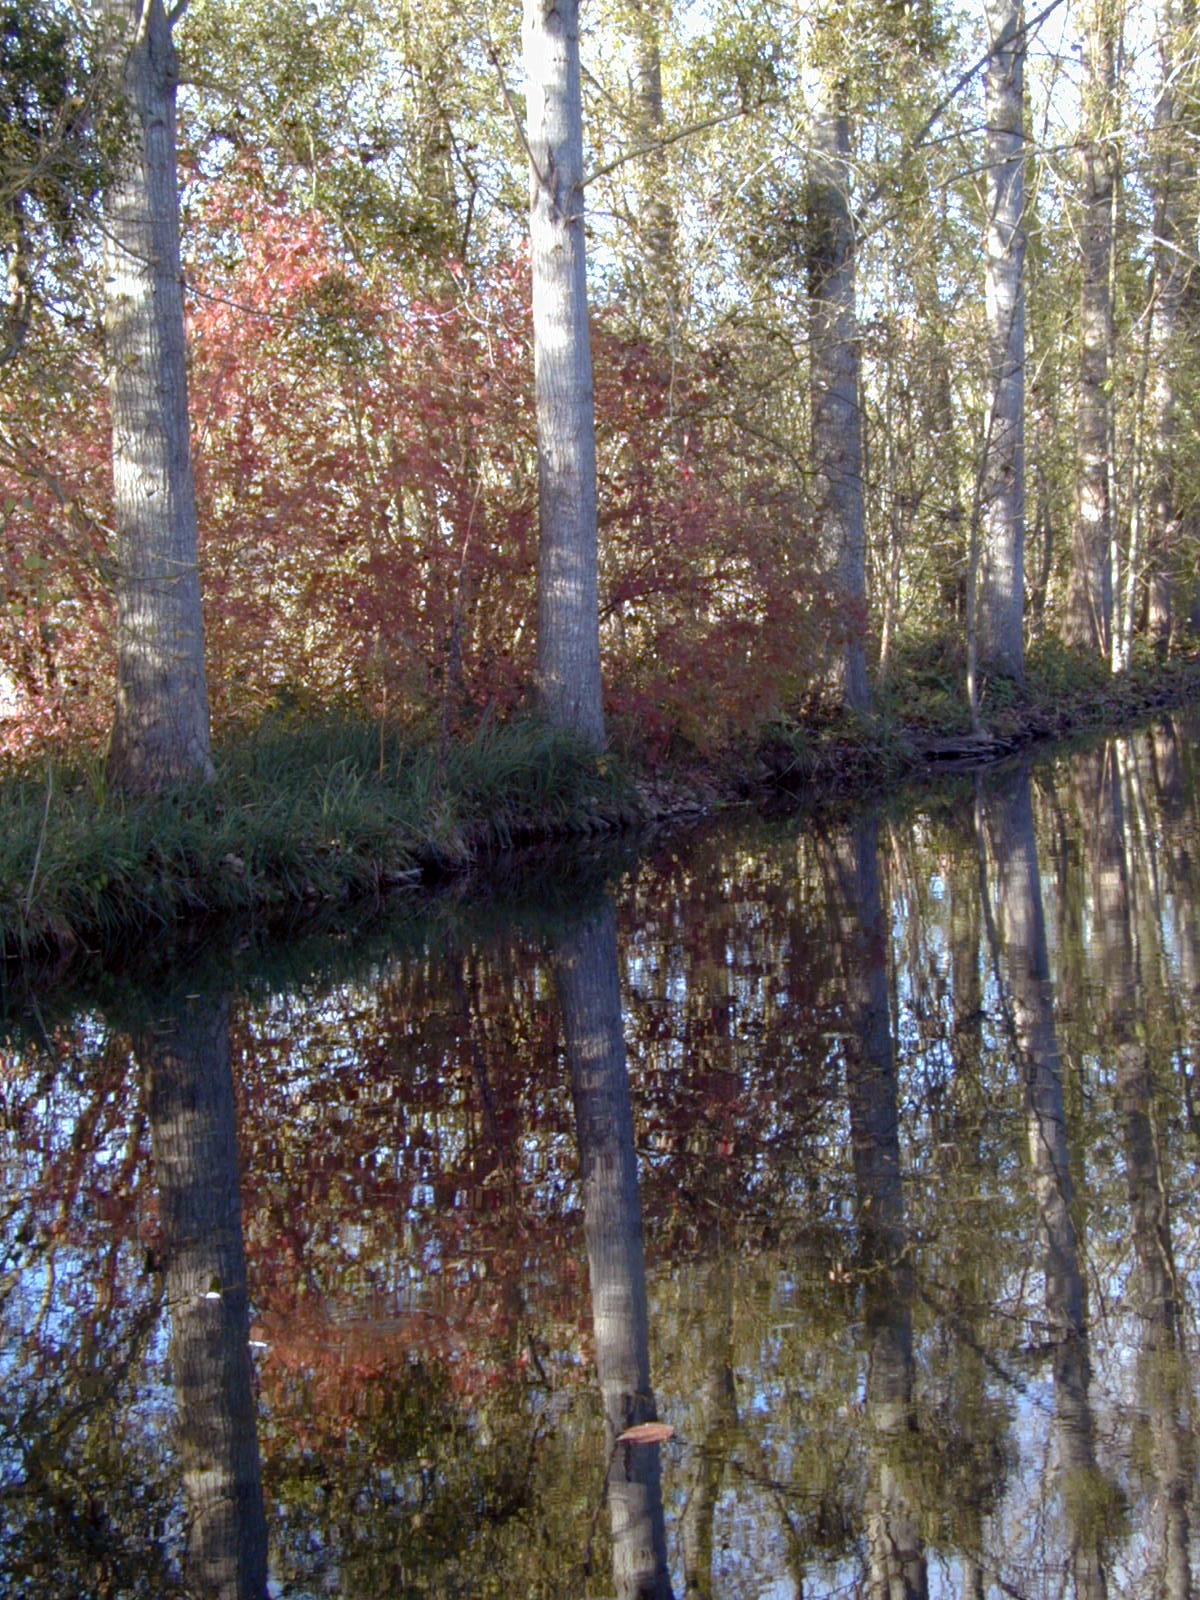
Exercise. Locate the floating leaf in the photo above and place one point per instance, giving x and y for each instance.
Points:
(647, 1433)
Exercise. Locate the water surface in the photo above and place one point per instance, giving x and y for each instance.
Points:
(862, 1156)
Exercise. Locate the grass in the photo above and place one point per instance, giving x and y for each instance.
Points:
(298, 813)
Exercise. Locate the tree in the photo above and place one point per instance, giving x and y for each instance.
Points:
(160, 732)
(1001, 600)
(568, 651)
(1087, 622)
(836, 411)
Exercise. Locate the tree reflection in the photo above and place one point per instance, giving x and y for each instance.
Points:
(896, 1556)
(1022, 930)
(585, 968)
(194, 1140)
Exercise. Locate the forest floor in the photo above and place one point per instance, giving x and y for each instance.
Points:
(304, 814)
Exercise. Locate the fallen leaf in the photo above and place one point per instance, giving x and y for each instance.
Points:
(647, 1433)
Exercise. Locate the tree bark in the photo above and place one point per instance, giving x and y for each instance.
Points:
(836, 411)
(568, 645)
(160, 733)
(1001, 604)
(194, 1137)
(586, 976)
(1173, 175)
(1087, 622)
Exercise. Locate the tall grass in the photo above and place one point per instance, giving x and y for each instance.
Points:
(298, 812)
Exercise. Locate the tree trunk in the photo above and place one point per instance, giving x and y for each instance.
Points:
(589, 993)
(1001, 603)
(836, 413)
(656, 220)
(1173, 174)
(568, 647)
(1087, 622)
(160, 731)
(194, 1137)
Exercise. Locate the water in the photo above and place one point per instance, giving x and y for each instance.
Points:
(862, 1156)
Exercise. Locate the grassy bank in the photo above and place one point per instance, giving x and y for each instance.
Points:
(297, 814)
(304, 813)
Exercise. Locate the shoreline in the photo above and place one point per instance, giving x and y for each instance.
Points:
(305, 815)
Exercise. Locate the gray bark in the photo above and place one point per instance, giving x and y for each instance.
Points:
(660, 290)
(1001, 602)
(836, 413)
(1175, 219)
(588, 986)
(160, 731)
(1087, 622)
(568, 645)
(194, 1139)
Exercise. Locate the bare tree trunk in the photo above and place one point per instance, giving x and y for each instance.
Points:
(660, 269)
(568, 649)
(1001, 603)
(836, 411)
(586, 976)
(1087, 622)
(160, 731)
(194, 1136)
(1173, 174)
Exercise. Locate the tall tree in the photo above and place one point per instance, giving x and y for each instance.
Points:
(1173, 177)
(836, 409)
(160, 732)
(1088, 619)
(1001, 600)
(568, 650)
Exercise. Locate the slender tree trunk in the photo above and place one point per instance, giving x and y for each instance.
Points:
(568, 646)
(1087, 622)
(194, 1137)
(1173, 174)
(586, 976)
(716, 1419)
(1001, 602)
(836, 412)
(160, 731)
(656, 219)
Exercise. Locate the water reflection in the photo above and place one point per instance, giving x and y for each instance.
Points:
(874, 1147)
(194, 1138)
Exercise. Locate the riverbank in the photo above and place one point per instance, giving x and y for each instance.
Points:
(304, 814)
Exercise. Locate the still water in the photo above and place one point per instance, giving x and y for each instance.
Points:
(861, 1157)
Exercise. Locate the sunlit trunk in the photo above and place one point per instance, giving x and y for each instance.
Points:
(160, 732)
(1027, 972)
(568, 645)
(1173, 173)
(1001, 597)
(1087, 621)
(585, 967)
(895, 1550)
(836, 413)
(194, 1137)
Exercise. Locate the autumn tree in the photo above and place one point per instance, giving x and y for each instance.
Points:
(160, 733)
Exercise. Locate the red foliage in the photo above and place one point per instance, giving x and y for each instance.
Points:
(366, 480)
